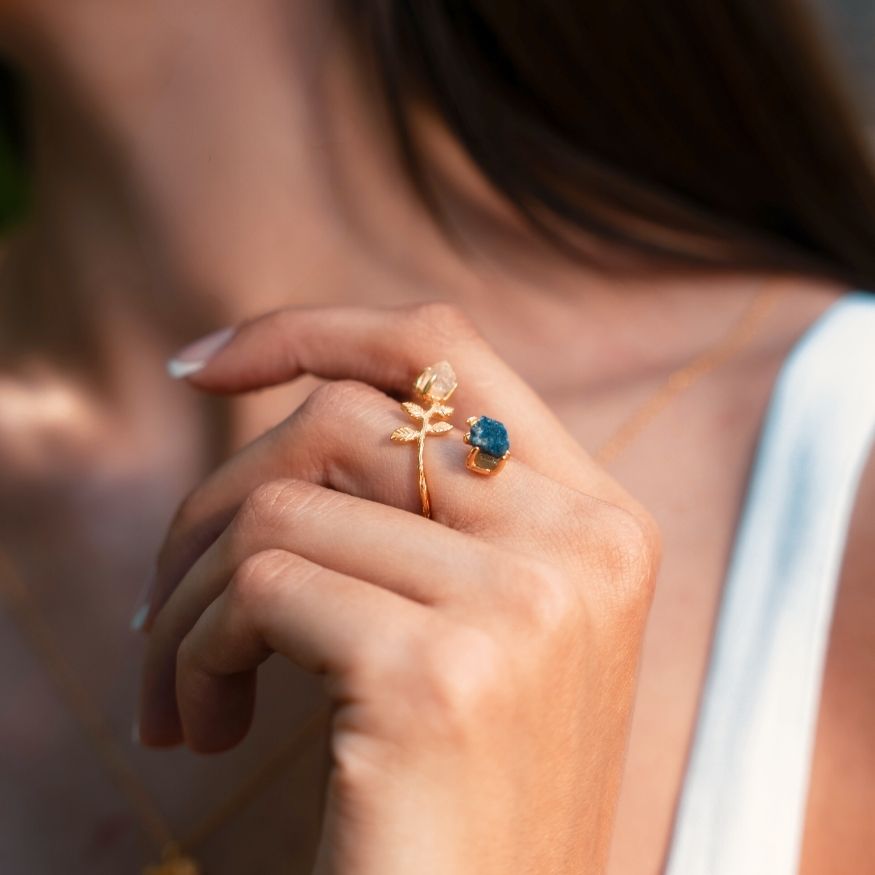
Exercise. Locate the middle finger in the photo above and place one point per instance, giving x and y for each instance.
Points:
(397, 551)
(339, 438)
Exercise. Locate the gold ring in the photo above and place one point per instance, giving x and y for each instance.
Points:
(433, 387)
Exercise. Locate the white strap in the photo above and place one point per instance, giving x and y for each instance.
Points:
(743, 802)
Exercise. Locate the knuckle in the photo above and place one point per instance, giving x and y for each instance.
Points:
(330, 450)
(270, 505)
(459, 679)
(650, 534)
(632, 551)
(442, 323)
(257, 577)
(315, 439)
(549, 602)
(360, 761)
(332, 453)
(337, 399)
(616, 549)
(329, 453)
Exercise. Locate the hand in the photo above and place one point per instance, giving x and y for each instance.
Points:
(481, 664)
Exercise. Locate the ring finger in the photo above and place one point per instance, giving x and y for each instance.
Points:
(351, 536)
(339, 438)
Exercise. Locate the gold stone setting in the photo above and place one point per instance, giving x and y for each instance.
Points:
(490, 446)
(437, 382)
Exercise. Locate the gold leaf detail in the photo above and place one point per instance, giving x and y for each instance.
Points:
(413, 409)
(442, 410)
(439, 427)
(404, 433)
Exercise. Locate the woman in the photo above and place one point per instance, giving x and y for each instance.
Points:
(628, 218)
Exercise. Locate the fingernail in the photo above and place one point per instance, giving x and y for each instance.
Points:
(194, 357)
(139, 618)
(143, 603)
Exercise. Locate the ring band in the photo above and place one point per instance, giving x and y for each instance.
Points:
(433, 387)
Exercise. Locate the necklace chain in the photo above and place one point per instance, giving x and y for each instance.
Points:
(100, 735)
(684, 378)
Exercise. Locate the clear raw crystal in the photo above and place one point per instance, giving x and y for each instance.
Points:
(437, 382)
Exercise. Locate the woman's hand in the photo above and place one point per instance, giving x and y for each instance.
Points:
(481, 664)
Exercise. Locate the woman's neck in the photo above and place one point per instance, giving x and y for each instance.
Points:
(204, 162)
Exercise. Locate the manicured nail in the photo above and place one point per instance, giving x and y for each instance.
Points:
(194, 357)
(143, 603)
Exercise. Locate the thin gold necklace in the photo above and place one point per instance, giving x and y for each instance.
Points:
(176, 852)
(684, 378)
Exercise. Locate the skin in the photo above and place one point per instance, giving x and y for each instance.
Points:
(131, 237)
(519, 627)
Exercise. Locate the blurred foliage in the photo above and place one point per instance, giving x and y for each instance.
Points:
(13, 176)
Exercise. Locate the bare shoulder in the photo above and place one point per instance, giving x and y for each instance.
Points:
(839, 837)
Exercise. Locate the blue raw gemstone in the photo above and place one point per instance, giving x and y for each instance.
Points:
(490, 436)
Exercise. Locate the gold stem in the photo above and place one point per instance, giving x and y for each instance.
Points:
(423, 486)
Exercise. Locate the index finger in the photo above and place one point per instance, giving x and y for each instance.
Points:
(387, 348)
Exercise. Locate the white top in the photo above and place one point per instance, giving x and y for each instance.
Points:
(742, 806)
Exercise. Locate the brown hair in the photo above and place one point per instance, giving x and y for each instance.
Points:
(13, 186)
(705, 132)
